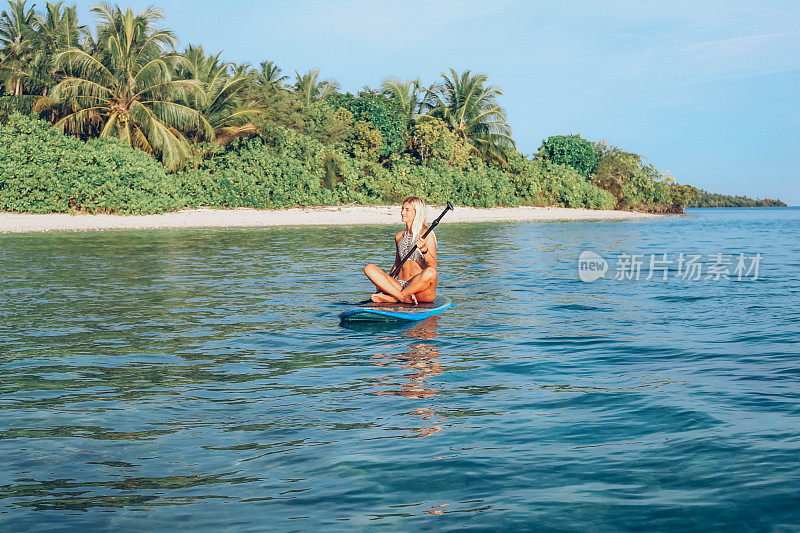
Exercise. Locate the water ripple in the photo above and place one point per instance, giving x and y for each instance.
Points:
(200, 379)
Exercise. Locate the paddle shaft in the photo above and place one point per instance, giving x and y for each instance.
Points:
(396, 269)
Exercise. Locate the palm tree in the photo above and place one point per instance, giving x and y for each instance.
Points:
(241, 69)
(469, 108)
(269, 75)
(406, 94)
(58, 27)
(125, 89)
(17, 37)
(222, 116)
(310, 88)
(57, 30)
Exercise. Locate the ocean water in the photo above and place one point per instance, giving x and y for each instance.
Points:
(161, 380)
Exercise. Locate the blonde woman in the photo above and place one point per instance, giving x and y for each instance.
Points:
(417, 278)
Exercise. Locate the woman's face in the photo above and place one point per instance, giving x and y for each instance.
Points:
(407, 213)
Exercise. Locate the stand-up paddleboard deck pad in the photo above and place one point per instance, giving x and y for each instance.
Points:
(373, 312)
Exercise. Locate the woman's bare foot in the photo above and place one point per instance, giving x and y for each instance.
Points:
(381, 298)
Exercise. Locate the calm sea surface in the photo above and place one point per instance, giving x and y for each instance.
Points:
(156, 380)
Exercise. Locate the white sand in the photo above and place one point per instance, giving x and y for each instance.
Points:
(309, 216)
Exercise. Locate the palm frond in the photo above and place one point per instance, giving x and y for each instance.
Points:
(81, 64)
(78, 121)
(468, 106)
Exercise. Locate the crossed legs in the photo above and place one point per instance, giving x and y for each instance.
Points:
(421, 288)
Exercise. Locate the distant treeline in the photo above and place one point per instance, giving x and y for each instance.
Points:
(114, 119)
(707, 199)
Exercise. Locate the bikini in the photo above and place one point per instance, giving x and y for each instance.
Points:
(403, 247)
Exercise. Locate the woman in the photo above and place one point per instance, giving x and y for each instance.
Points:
(416, 281)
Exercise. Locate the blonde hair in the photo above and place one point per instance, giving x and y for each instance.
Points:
(420, 216)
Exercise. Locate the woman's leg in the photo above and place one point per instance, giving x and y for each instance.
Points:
(421, 288)
(385, 284)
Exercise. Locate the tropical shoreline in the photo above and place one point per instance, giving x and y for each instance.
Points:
(298, 216)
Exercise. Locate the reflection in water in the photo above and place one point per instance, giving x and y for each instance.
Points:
(421, 360)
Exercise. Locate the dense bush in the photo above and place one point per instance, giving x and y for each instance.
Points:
(432, 138)
(634, 183)
(564, 186)
(288, 168)
(381, 114)
(478, 185)
(646, 187)
(249, 175)
(261, 173)
(44, 171)
(572, 151)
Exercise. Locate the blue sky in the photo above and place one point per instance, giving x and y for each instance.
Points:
(707, 90)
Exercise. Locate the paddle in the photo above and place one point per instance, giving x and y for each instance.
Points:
(413, 248)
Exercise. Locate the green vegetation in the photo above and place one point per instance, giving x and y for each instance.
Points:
(572, 151)
(124, 87)
(120, 99)
(380, 113)
(706, 199)
(470, 109)
(44, 171)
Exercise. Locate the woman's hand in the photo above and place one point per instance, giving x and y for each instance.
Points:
(410, 299)
(422, 246)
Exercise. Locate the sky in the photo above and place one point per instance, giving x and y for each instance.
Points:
(705, 90)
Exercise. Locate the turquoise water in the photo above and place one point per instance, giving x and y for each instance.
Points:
(200, 379)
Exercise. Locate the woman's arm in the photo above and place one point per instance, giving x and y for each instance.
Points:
(428, 245)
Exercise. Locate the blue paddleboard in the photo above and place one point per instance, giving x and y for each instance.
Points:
(372, 312)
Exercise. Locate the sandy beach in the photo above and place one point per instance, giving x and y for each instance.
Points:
(307, 216)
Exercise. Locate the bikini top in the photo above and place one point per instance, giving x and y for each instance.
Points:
(405, 245)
